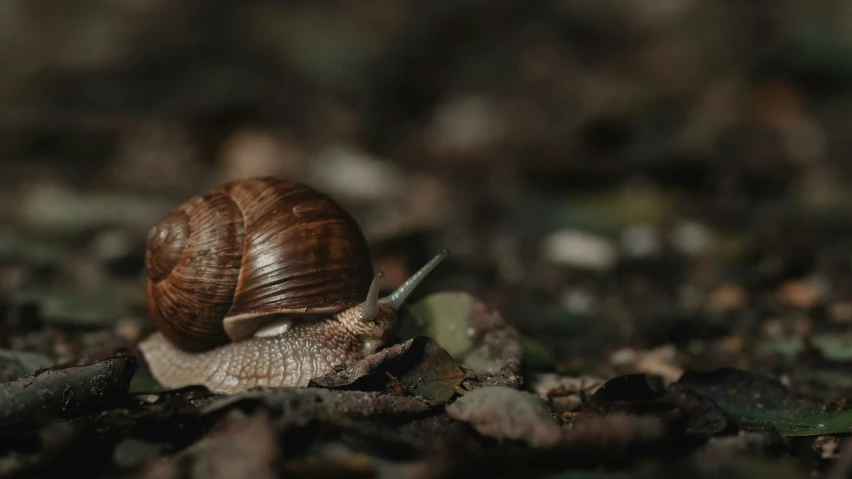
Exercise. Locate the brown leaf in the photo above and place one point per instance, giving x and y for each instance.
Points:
(563, 393)
(613, 434)
(505, 413)
(473, 333)
(417, 367)
(306, 403)
(240, 447)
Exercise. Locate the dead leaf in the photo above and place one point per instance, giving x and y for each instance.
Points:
(473, 333)
(306, 403)
(756, 402)
(640, 394)
(613, 434)
(563, 393)
(417, 367)
(241, 446)
(501, 412)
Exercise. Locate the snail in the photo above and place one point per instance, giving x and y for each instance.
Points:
(263, 282)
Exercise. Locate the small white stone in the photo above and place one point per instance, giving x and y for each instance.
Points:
(466, 123)
(112, 244)
(623, 357)
(346, 172)
(640, 241)
(577, 301)
(692, 238)
(579, 249)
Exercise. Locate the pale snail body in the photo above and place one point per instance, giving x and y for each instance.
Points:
(262, 282)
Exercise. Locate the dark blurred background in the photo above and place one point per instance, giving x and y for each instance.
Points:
(614, 177)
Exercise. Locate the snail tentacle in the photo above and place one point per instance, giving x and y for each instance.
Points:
(371, 306)
(394, 300)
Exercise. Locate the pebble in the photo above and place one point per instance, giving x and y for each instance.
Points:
(248, 153)
(129, 329)
(733, 344)
(112, 244)
(804, 326)
(691, 297)
(623, 357)
(577, 301)
(640, 241)
(841, 312)
(800, 294)
(579, 249)
(428, 201)
(355, 175)
(692, 238)
(661, 362)
(565, 393)
(728, 298)
(773, 329)
(466, 124)
(13, 277)
(829, 447)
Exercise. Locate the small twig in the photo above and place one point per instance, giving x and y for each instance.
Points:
(67, 392)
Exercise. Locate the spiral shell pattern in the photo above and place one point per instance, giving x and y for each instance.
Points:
(223, 264)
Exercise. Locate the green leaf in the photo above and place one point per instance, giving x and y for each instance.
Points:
(475, 335)
(537, 357)
(757, 402)
(443, 317)
(833, 347)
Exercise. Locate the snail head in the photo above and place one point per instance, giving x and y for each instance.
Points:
(375, 318)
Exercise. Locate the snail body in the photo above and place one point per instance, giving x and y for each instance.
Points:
(262, 282)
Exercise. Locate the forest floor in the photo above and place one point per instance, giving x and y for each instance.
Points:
(646, 209)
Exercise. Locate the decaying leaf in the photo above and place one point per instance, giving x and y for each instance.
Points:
(311, 402)
(630, 389)
(640, 394)
(501, 412)
(476, 335)
(756, 402)
(417, 367)
(613, 434)
(563, 393)
(240, 446)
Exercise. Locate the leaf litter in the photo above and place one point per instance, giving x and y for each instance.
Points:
(505, 413)
(462, 367)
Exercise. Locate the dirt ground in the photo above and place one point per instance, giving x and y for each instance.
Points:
(645, 205)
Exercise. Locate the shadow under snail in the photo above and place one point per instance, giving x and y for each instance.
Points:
(263, 282)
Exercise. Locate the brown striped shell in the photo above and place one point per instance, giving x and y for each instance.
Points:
(223, 264)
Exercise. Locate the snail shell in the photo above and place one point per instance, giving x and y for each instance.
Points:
(222, 264)
(262, 281)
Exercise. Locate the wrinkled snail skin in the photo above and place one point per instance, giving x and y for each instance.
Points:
(289, 359)
(263, 282)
